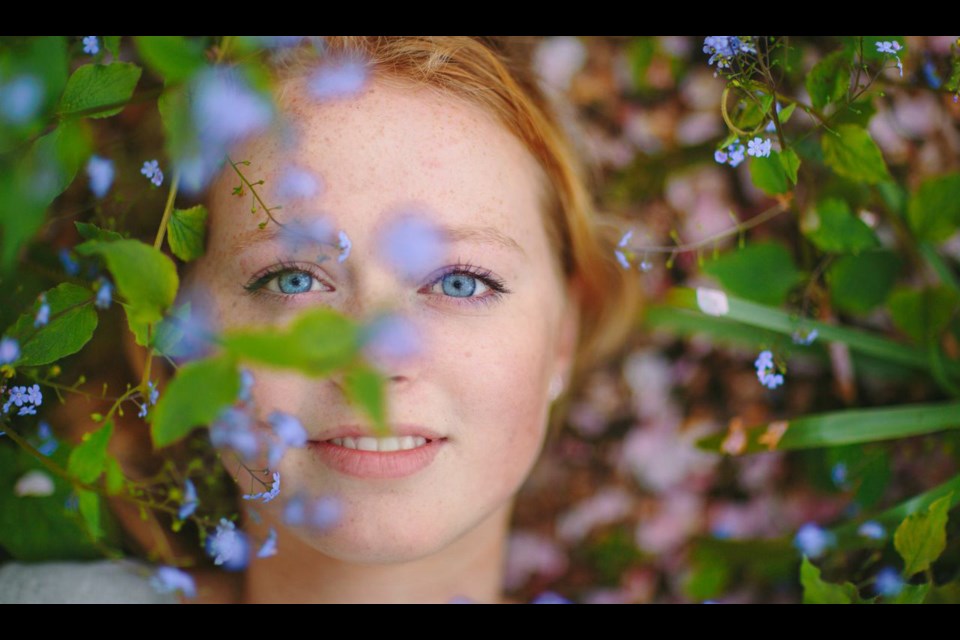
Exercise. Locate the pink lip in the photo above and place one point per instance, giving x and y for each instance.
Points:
(376, 464)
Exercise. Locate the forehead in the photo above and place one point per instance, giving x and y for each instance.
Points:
(391, 148)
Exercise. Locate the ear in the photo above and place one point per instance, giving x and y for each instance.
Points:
(569, 333)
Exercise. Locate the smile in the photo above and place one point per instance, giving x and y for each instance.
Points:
(404, 443)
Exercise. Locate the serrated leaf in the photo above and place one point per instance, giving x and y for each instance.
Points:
(922, 537)
(818, 591)
(364, 386)
(175, 58)
(88, 459)
(852, 153)
(934, 209)
(837, 230)
(94, 87)
(762, 271)
(860, 283)
(72, 323)
(89, 505)
(186, 232)
(194, 398)
(145, 276)
(318, 342)
(828, 80)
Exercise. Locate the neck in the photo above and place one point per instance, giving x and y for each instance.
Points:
(470, 567)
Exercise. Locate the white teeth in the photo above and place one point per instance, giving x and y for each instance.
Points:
(367, 443)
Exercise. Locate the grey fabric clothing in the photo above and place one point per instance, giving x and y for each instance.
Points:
(98, 582)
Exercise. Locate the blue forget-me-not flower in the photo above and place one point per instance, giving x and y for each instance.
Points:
(723, 49)
(267, 496)
(104, 294)
(872, 529)
(892, 48)
(621, 258)
(170, 579)
(9, 350)
(190, 500)
(342, 78)
(101, 172)
(151, 169)
(43, 313)
(21, 98)
(269, 547)
(765, 370)
(411, 244)
(812, 541)
(345, 246)
(228, 547)
(91, 45)
(758, 147)
(889, 582)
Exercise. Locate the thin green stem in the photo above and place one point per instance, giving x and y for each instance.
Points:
(167, 210)
(253, 191)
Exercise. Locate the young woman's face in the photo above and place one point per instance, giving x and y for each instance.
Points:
(478, 391)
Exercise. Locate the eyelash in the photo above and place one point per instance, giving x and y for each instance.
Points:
(259, 281)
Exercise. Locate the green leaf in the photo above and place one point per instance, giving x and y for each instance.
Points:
(186, 232)
(858, 283)
(364, 386)
(934, 209)
(858, 113)
(911, 594)
(849, 427)
(174, 58)
(784, 114)
(785, 323)
(317, 343)
(145, 276)
(754, 110)
(761, 271)
(94, 87)
(768, 174)
(922, 537)
(89, 503)
(818, 591)
(88, 459)
(115, 477)
(828, 80)
(72, 323)
(834, 229)
(852, 153)
(42, 174)
(90, 231)
(923, 314)
(194, 398)
(34, 528)
(112, 44)
(791, 163)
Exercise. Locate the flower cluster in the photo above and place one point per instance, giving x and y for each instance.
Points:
(151, 169)
(170, 579)
(734, 155)
(152, 397)
(759, 148)
(723, 49)
(28, 399)
(267, 496)
(228, 547)
(765, 370)
(892, 48)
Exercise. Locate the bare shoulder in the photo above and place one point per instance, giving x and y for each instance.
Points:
(101, 582)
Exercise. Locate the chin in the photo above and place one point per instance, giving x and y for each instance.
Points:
(378, 543)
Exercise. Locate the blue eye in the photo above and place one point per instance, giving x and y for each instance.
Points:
(465, 284)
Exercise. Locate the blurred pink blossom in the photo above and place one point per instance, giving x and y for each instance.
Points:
(679, 518)
(606, 506)
(531, 554)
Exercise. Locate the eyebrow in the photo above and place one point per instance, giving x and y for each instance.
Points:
(465, 233)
